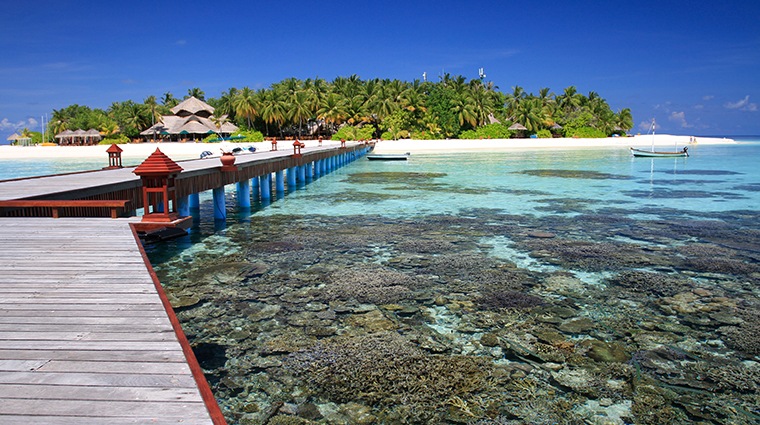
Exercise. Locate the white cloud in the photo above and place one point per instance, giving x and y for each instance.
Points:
(7, 125)
(699, 106)
(743, 105)
(708, 97)
(664, 108)
(680, 119)
(181, 42)
(129, 81)
(646, 126)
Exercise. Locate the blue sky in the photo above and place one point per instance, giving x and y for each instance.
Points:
(693, 66)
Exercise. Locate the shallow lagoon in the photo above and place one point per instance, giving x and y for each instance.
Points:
(548, 286)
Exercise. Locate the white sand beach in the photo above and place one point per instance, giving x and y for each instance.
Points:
(192, 150)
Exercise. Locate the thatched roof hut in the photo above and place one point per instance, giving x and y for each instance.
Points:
(193, 106)
(518, 127)
(191, 120)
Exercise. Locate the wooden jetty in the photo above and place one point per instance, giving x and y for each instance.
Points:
(87, 335)
(84, 334)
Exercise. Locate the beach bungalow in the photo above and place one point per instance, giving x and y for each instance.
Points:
(20, 140)
(78, 137)
(519, 128)
(191, 121)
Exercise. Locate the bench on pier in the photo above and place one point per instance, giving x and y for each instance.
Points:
(55, 205)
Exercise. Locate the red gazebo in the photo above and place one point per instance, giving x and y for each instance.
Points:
(157, 174)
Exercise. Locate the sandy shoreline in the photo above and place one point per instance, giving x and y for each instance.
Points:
(189, 150)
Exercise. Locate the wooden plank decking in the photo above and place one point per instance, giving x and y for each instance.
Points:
(84, 335)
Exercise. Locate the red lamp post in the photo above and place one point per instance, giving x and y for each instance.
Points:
(157, 174)
(114, 157)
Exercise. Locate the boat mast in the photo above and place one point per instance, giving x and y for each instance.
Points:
(652, 134)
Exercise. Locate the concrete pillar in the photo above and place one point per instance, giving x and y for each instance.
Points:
(244, 194)
(265, 186)
(302, 173)
(183, 206)
(279, 179)
(195, 201)
(292, 177)
(220, 208)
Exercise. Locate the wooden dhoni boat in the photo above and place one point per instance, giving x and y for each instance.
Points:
(653, 153)
(388, 157)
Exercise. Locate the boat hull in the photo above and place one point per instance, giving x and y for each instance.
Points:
(387, 157)
(657, 154)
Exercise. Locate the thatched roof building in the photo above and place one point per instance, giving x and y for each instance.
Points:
(78, 137)
(191, 121)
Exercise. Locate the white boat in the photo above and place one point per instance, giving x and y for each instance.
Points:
(388, 157)
(653, 153)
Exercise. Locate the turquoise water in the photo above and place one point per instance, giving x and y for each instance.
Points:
(30, 167)
(521, 286)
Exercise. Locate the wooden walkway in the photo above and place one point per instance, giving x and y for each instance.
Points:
(47, 186)
(84, 334)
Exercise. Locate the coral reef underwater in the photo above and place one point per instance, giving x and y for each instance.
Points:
(592, 319)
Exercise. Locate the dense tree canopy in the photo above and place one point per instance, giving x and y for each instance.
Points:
(452, 107)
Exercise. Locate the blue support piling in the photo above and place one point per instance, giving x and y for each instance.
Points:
(302, 173)
(309, 170)
(220, 208)
(265, 186)
(183, 206)
(279, 179)
(195, 201)
(317, 168)
(292, 177)
(244, 194)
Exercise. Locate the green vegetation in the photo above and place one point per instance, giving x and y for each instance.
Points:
(352, 108)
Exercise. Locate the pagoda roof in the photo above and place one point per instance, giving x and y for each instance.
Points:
(157, 164)
(114, 148)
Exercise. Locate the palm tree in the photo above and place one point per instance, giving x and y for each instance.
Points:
(58, 121)
(570, 100)
(355, 109)
(227, 102)
(244, 104)
(530, 114)
(514, 99)
(275, 108)
(482, 105)
(331, 109)
(464, 110)
(625, 119)
(219, 118)
(109, 127)
(152, 106)
(135, 115)
(169, 101)
(385, 103)
(197, 93)
(300, 108)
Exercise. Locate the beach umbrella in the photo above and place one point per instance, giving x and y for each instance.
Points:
(555, 126)
(13, 137)
(517, 126)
